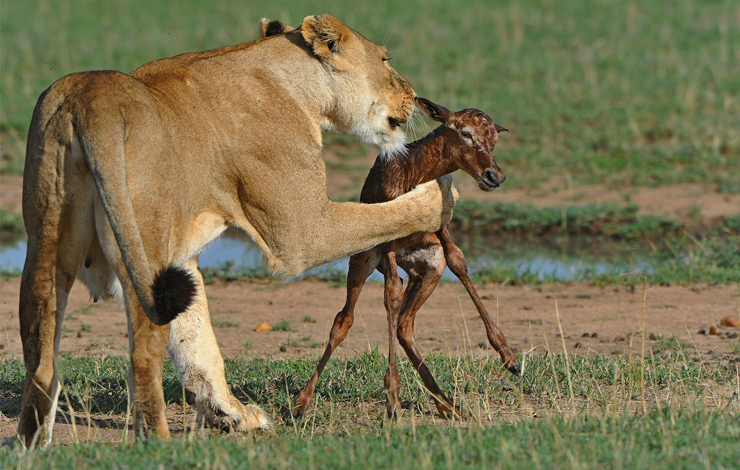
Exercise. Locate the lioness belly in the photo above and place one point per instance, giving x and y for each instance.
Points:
(205, 228)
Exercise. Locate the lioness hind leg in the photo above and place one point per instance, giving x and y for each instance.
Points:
(59, 225)
(196, 355)
(146, 396)
(42, 305)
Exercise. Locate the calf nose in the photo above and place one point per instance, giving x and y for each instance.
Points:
(497, 181)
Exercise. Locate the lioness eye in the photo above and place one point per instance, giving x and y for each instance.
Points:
(466, 134)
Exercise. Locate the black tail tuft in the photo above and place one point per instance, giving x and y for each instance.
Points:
(174, 289)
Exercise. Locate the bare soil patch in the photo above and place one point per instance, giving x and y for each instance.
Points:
(448, 322)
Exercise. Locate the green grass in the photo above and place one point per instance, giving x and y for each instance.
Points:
(623, 93)
(579, 412)
(11, 225)
(604, 220)
(666, 438)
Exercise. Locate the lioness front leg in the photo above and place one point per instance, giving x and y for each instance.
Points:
(345, 228)
(196, 355)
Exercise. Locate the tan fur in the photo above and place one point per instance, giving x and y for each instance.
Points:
(130, 174)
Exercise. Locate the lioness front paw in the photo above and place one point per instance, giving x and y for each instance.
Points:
(234, 416)
(437, 200)
(449, 197)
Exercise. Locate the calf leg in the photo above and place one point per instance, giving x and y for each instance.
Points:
(459, 267)
(361, 266)
(393, 300)
(421, 285)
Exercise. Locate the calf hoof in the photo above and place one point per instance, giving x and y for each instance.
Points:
(454, 413)
(391, 417)
(298, 412)
(515, 369)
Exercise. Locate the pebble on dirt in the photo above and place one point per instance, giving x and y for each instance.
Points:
(730, 321)
(712, 330)
(264, 326)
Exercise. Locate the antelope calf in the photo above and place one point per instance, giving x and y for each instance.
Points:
(465, 140)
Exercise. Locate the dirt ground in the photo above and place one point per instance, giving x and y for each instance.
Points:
(594, 320)
(448, 322)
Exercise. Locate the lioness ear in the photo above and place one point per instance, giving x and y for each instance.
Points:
(273, 27)
(325, 34)
(500, 128)
(433, 110)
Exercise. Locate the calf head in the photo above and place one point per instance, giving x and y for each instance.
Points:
(471, 136)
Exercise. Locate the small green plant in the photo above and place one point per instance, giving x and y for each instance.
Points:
(282, 325)
(85, 328)
(247, 345)
(674, 343)
(86, 310)
(308, 319)
(226, 324)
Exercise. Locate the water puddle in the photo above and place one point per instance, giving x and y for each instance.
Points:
(552, 259)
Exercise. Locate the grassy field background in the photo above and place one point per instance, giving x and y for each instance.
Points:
(569, 412)
(615, 92)
(620, 92)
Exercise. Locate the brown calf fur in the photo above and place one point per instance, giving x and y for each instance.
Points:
(465, 141)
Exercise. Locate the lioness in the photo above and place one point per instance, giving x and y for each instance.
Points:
(129, 176)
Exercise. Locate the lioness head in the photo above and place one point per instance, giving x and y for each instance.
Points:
(372, 99)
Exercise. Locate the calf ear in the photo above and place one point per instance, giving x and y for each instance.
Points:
(500, 128)
(433, 110)
(273, 27)
(325, 34)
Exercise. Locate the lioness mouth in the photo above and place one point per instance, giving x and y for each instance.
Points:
(393, 122)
